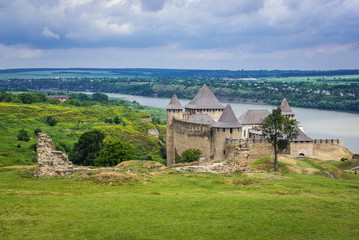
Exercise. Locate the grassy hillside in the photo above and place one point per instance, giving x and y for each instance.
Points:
(72, 122)
(157, 203)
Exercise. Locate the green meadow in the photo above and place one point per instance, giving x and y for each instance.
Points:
(167, 204)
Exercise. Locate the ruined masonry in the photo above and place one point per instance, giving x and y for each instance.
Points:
(49, 161)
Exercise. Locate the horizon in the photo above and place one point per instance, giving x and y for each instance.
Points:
(172, 34)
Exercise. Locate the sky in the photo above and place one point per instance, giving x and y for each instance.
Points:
(181, 34)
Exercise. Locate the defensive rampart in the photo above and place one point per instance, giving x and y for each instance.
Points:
(192, 135)
(330, 149)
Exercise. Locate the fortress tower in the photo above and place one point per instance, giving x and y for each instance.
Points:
(174, 110)
(286, 110)
(205, 103)
(226, 127)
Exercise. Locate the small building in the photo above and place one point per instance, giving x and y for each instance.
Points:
(62, 98)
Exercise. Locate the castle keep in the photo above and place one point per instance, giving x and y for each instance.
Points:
(204, 123)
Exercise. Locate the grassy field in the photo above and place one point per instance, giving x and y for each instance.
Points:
(166, 204)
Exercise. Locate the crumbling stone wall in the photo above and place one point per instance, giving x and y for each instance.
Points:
(49, 161)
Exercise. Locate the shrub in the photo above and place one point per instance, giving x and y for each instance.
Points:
(114, 153)
(34, 147)
(37, 130)
(54, 101)
(189, 155)
(100, 97)
(23, 135)
(87, 149)
(108, 120)
(51, 121)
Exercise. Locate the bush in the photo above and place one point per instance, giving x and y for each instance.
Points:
(51, 121)
(37, 130)
(34, 147)
(87, 149)
(108, 120)
(23, 135)
(189, 155)
(100, 97)
(114, 153)
(54, 101)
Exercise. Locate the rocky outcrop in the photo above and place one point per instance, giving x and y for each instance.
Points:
(153, 132)
(49, 161)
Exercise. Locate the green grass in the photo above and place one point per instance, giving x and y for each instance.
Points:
(173, 205)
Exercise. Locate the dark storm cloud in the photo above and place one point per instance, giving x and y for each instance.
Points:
(248, 33)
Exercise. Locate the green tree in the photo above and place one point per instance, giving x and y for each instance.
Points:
(28, 98)
(278, 130)
(6, 97)
(37, 130)
(116, 120)
(189, 155)
(23, 135)
(51, 121)
(87, 149)
(114, 153)
(54, 101)
(100, 97)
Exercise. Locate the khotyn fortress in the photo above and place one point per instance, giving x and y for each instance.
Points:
(204, 123)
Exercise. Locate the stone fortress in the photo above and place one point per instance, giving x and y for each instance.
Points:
(204, 123)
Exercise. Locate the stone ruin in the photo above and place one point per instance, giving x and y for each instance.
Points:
(49, 161)
(237, 161)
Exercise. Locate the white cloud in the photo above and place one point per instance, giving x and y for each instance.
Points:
(46, 32)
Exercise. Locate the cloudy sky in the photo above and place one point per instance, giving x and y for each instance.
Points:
(190, 34)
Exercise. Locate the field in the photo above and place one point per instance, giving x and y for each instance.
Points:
(166, 204)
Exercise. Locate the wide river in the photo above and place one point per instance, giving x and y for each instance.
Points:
(317, 123)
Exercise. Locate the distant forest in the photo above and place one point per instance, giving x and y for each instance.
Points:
(332, 90)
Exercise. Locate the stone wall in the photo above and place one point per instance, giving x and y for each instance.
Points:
(219, 140)
(49, 161)
(171, 114)
(188, 135)
(301, 149)
(330, 149)
(259, 148)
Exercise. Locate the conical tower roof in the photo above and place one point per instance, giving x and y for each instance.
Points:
(228, 119)
(286, 110)
(204, 99)
(174, 103)
(253, 117)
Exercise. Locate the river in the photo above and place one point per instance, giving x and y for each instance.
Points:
(317, 123)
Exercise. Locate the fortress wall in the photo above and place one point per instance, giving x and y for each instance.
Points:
(297, 148)
(219, 140)
(259, 148)
(330, 149)
(188, 135)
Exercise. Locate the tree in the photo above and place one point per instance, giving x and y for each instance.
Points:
(189, 155)
(278, 130)
(23, 135)
(114, 153)
(87, 149)
(51, 121)
(100, 97)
